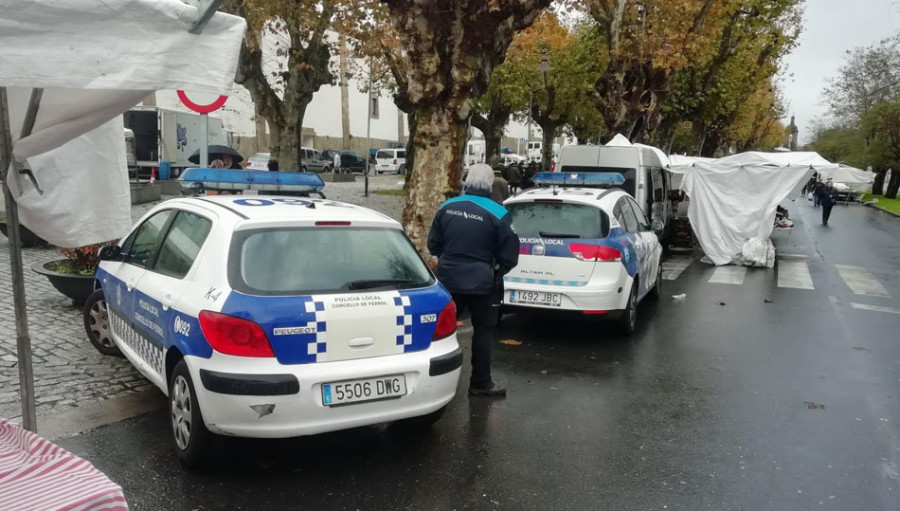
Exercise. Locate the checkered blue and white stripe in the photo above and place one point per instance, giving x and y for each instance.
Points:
(404, 320)
(149, 352)
(317, 307)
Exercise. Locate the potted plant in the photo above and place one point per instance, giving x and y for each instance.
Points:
(73, 276)
(28, 238)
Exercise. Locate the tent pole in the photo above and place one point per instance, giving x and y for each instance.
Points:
(23, 341)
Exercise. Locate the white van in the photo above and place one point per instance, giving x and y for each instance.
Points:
(533, 151)
(645, 178)
(475, 150)
(390, 160)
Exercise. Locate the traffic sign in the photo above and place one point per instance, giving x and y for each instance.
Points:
(202, 109)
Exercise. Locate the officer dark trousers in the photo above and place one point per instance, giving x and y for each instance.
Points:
(484, 319)
(826, 212)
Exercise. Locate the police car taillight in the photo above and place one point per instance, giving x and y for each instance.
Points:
(584, 252)
(446, 323)
(234, 336)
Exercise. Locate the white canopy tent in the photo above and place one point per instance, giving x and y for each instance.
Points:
(733, 200)
(68, 69)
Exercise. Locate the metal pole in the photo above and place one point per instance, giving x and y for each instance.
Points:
(369, 126)
(530, 107)
(23, 341)
(204, 140)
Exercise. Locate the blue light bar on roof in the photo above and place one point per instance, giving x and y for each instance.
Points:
(227, 179)
(599, 179)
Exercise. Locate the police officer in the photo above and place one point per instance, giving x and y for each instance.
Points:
(473, 238)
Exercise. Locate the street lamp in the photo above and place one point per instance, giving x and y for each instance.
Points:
(543, 67)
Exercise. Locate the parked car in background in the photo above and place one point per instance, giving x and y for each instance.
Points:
(313, 161)
(259, 161)
(351, 161)
(390, 160)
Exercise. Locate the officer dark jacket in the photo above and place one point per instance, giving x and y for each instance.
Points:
(472, 234)
(827, 196)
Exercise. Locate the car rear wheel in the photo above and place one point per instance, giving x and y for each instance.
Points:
(192, 439)
(628, 321)
(96, 324)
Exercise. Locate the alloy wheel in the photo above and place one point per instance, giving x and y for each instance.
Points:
(181, 412)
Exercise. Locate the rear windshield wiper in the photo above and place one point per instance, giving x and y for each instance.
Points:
(546, 234)
(368, 284)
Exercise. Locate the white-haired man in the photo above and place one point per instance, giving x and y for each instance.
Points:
(473, 239)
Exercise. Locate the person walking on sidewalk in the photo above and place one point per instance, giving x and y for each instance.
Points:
(827, 197)
(473, 239)
(336, 163)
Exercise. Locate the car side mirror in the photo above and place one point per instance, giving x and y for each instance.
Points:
(657, 226)
(111, 253)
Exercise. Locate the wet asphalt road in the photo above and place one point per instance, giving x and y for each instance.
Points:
(706, 407)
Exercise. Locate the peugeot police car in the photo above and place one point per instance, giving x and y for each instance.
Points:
(275, 317)
(584, 246)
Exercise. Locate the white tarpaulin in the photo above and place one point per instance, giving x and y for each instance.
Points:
(856, 179)
(95, 59)
(733, 201)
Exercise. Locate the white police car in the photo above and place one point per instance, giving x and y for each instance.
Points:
(278, 317)
(584, 246)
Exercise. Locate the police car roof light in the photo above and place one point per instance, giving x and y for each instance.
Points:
(252, 180)
(587, 179)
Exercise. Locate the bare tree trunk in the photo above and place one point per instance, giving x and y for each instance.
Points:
(345, 95)
(893, 186)
(492, 129)
(549, 135)
(878, 184)
(436, 141)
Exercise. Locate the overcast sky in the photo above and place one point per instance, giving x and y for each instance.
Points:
(830, 28)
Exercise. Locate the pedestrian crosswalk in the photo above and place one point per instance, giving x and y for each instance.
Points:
(792, 272)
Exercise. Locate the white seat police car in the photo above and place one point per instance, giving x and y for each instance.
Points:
(584, 246)
(277, 317)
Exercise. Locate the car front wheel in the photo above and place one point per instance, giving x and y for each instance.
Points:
(192, 439)
(96, 324)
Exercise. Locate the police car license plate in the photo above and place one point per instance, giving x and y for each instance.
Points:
(358, 391)
(535, 298)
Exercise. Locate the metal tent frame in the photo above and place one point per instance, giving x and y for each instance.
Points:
(206, 9)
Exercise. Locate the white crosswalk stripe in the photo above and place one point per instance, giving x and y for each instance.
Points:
(673, 266)
(861, 282)
(875, 308)
(729, 275)
(794, 275)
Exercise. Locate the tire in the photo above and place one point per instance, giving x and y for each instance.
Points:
(378, 172)
(303, 169)
(656, 292)
(628, 321)
(96, 324)
(189, 434)
(422, 422)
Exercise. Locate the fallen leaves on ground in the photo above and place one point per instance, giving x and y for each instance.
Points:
(814, 406)
(768, 300)
(721, 303)
(860, 348)
(543, 371)
(511, 342)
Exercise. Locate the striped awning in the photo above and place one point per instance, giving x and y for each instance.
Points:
(37, 474)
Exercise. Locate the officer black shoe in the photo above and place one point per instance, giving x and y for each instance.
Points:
(493, 391)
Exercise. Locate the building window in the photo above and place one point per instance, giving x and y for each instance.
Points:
(374, 106)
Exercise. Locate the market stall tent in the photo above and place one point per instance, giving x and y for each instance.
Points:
(68, 69)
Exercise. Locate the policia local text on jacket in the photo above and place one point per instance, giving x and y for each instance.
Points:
(473, 238)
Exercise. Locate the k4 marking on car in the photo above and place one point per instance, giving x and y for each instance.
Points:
(582, 248)
(280, 317)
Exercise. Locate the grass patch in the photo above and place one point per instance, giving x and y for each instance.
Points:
(397, 193)
(892, 205)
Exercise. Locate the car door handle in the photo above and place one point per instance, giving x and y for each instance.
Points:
(129, 286)
(167, 302)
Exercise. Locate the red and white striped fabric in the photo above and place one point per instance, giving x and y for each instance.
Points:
(37, 475)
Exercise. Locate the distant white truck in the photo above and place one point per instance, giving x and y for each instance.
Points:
(161, 135)
(533, 151)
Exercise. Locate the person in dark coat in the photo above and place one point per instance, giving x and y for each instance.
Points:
(473, 239)
(500, 188)
(514, 176)
(827, 197)
(816, 189)
(272, 165)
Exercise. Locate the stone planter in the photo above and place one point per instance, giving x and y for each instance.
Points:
(73, 285)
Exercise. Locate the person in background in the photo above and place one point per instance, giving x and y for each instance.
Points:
(500, 190)
(336, 163)
(229, 162)
(515, 178)
(473, 239)
(272, 165)
(827, 197)
(217, 164)
(816, 190)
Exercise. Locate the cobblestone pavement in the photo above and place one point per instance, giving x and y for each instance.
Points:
(68, 370)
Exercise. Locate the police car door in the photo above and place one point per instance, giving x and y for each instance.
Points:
(156, 309)
(647, 248)
(626, 217)
(138, 252)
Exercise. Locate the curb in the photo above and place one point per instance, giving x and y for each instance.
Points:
(874, 206)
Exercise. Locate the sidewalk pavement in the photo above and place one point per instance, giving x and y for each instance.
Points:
(68, 371)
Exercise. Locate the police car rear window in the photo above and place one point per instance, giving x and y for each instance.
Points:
(304, 261)
(558, 219)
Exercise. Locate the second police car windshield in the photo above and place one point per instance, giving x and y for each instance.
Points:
(558, 220)
(324, 260)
